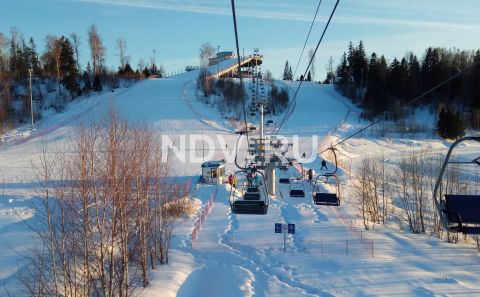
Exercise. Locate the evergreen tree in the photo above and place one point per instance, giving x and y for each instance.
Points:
(309, 76)
(343, 70)
(68, 67)
(450, 125)
(33, 58)
(146, 73)
(430, 68)
(290, 73)
(376, 100)
(285, 71)
(413, 80)
(87, 87)
(89, 69)
(97, 83)
(475, 81)
(128, 72)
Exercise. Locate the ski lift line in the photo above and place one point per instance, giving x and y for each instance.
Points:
(305, 44)
(239, 65)
(308, 66)
(408, 103)
(297, 184)
(236, 154)
(332, 173)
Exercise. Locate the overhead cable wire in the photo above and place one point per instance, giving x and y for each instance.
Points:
(406, 104)
(239, 72)
(293, 102)
(305, 44)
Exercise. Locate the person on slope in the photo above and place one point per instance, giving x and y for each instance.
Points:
(324, 164)
(230, 180)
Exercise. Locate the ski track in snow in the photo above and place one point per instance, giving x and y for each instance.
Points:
(238, 255)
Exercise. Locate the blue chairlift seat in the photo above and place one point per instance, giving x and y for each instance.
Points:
(297, 193)
(463, 213)
(326, 199)
(250, 207)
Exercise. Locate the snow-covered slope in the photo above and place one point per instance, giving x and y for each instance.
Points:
(240, 255)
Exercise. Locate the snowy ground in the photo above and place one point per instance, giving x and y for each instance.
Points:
(240, 255)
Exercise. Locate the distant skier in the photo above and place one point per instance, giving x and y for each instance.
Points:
(324, 164)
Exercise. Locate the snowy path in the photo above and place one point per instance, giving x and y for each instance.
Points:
(240, 255)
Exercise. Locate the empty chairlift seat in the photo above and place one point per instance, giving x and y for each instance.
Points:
(321, 197)
(297, 188)
(463, 213)
(326, 199)
(297, 193)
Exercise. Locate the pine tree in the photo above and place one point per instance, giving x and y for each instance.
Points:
(33, 57)
(290, 73)
(285, 71)
(343, 71)
(87, 87)
(97, 84)
(89, 70)
(413, 76)
(450, 125)
(475, 81)
(68, 67)
(309, 76)
(146, 72)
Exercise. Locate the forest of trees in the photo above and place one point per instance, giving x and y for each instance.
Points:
(57, 75)
(383, 88)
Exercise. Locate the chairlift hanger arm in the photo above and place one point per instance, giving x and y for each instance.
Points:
(446, 162)
(440, 204)
(334, 157)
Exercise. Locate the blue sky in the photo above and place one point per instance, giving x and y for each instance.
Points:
(176, 28)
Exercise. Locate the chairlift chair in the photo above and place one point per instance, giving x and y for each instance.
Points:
(297, 185)
(322, 197)
(458, 213)
(248, 198)
(283, 179)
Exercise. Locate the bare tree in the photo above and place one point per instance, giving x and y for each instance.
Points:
(53, 54)
(413, 190)
(76, 41)
(311, 55)
(107, 215)
(141, 64)
(206, 52)
(268, 77)
(96, 48)
(365, 192)
(330, 72)
(3, 55)
(385, 187)
(122, 47)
